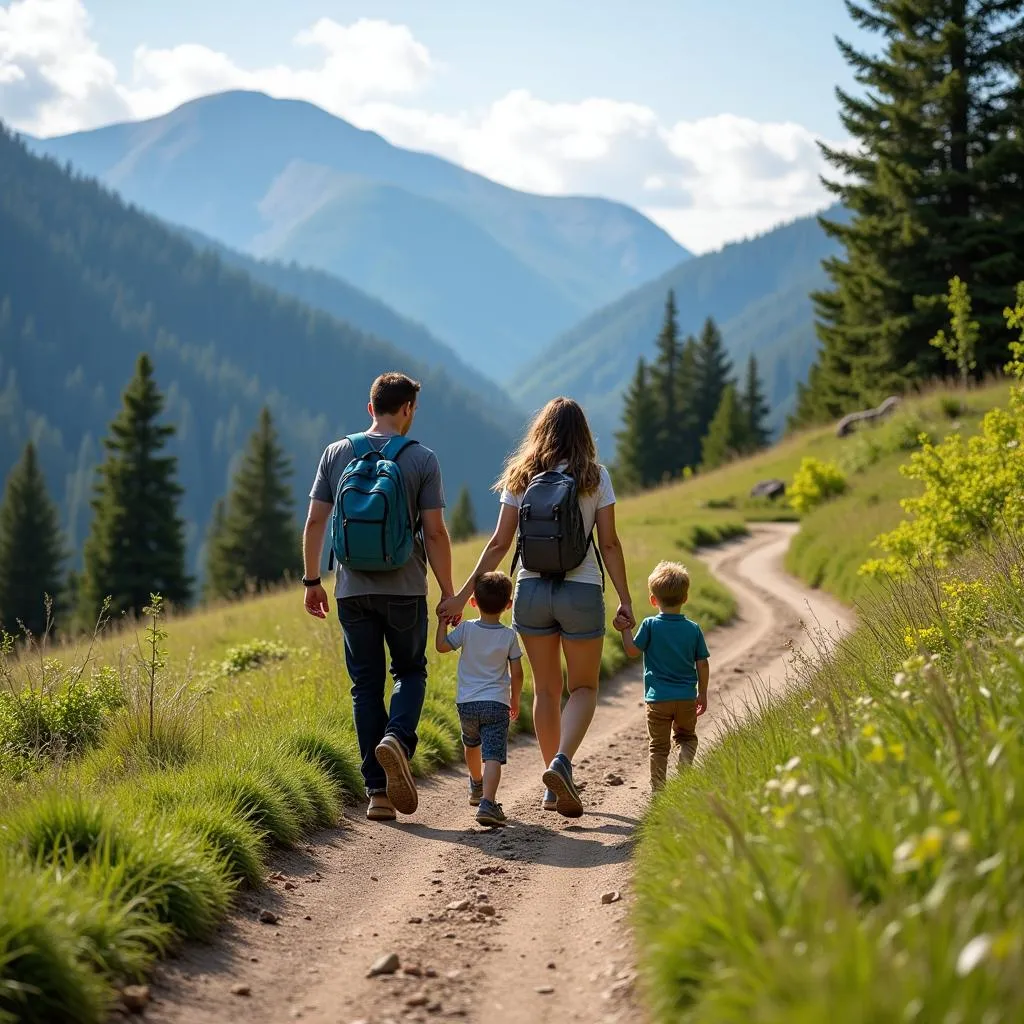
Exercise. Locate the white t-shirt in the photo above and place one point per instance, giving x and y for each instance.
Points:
(483, 665)
(588, 571)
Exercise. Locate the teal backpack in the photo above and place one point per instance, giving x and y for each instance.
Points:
(373, 528)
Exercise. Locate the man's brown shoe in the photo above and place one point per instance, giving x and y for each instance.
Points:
(401, 786)
(381, 808)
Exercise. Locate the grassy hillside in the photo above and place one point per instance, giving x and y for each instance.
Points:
(852, 852)
(252, 171)
(86, 283)
(756, 290)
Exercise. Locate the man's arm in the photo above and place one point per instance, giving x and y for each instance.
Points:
(439, 549)
(312, 552)
(703, 675)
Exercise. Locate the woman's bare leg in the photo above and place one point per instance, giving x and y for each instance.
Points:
(545, 656)
(583, 662)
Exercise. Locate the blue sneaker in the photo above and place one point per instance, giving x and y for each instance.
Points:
(476, 792)
(558, 778)
(490, 813)
(550, 801)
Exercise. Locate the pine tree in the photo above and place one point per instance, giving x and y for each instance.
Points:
(755, 409)
(256, 542)
(636, 453)
(726, 435)
(463, 524)
(711, 375)
(688, 433)
(31, 551)
(136, 545)
(664, 388)
(934, 189)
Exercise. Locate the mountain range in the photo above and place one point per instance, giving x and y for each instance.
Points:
(492, 271)
(87, 282)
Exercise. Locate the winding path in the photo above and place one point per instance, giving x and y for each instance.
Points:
(534, 941)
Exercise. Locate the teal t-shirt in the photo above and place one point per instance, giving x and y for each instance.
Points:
(672, 646)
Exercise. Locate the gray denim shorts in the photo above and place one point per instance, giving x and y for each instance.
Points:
(485, 725)
(546, 607)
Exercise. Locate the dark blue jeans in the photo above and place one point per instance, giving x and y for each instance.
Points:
(369, 623)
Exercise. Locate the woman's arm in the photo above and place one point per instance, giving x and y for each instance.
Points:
(615, 561)
(490, 558)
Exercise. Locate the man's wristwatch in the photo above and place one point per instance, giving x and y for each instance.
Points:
(311, 583)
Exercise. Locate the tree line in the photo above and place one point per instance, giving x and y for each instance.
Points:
(136, 542)
(685, 411)
(934, 193)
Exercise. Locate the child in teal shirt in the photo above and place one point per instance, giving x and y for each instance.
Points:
(676, 671)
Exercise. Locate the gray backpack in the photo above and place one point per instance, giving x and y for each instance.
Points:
(552, 538)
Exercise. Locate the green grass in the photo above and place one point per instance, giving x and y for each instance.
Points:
(856, 851)
(835, 538)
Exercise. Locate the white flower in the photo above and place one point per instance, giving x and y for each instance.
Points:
(987, 866)
(772, 784)
(973, 954)
(816, 731)
(789, 786)
(1019, 642)
(900, 678)
(792, 764)
(805, 790)
(904, 851)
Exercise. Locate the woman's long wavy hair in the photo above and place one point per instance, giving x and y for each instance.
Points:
(559, 433)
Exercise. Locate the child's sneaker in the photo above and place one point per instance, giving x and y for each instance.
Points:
(490, 813)
(549, 802)
(476, 792)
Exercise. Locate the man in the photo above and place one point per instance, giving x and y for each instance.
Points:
(378, 608)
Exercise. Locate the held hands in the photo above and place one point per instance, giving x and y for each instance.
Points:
(702, 703)
(449, 609)
(513, 711)
(624, 618)
(315, 602)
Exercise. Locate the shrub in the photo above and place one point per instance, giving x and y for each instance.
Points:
(814, 483)
(969, 489)
(252, 654)
(258, 799)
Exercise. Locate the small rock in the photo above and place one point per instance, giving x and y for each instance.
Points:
(611, 779)
(458, 905)
(552, 965)
(418, 999)
(387, 964)
(434, 1007)
(276, 877)
(430, 972)
(413, 970)
(290, 885)
(135, 997)
(415, 920)
(255, 959)
(486, 909)
(544, 990)
(492, 869)
(374, 878)
(611, 897)
(268, 917)
(241, 990)
(308, 917)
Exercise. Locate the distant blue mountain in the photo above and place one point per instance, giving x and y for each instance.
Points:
(486, 267)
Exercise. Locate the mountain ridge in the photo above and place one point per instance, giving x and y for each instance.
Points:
(212, 162)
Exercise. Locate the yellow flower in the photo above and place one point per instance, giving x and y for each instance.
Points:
(897, 751)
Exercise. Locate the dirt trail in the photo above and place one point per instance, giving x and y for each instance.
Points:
(533, 940)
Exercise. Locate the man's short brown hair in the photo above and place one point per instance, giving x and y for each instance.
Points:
(669, 584)
(390, 391)
(493, 591)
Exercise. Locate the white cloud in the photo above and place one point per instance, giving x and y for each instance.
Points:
(706, 181)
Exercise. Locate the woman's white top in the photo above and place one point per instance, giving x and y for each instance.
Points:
(588, 571)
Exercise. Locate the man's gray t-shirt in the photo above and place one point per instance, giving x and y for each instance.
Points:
(421, 474)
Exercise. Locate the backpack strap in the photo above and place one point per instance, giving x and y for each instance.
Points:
(597, 555)
(394, 446)
(361, 446)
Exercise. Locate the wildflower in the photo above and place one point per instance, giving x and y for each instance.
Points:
(805, 790)
(816, 731)
(868, 731)
(951, 818)
(897, 751)
(987, 866)
(1019, 642)
(789, 786)
(792, 764)
(772, 784)
(931, 843)
(973, 954)
(877, 755)
(962, 841)
(900, 678)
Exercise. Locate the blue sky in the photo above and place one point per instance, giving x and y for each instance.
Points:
(702, 114)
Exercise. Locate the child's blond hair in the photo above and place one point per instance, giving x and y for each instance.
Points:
(669, 584)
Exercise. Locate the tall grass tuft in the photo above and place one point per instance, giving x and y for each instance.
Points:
(235, 840)
(336, 757)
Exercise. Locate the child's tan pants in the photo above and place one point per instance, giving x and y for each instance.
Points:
(668, 720)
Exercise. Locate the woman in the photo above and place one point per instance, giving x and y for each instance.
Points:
(556, 617)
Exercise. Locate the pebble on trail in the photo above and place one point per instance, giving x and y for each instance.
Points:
(611, 897)
(135, 997)
(387, 964)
